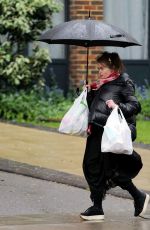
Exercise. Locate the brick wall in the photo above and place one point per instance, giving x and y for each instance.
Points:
(79, 9)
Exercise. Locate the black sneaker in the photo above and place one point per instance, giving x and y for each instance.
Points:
(140, 204)
(93, 213)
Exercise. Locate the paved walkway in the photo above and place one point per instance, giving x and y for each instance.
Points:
(56, 151)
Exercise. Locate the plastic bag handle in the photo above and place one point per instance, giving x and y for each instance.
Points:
(120, 112)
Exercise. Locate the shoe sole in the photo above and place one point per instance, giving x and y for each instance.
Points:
(96, 217)
(145, 205)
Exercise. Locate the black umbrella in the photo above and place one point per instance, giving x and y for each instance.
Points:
(88, 33)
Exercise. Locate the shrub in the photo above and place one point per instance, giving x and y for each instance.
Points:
(19, 72)
(32, 106)
(22, 22)
(143, 94)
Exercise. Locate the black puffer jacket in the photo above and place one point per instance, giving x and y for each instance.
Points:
(122, 91)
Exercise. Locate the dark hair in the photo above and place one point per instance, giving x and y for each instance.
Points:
(112, 60)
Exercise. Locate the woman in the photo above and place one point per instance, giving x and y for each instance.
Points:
(106, 170)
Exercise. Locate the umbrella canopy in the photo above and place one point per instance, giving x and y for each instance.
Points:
(88, 33)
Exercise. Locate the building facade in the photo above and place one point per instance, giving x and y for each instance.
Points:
(69, 62)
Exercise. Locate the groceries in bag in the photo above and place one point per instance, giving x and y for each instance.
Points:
(75, 120)
(116, 137)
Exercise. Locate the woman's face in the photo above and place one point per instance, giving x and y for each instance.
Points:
(104, 70)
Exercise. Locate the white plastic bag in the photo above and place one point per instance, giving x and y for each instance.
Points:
(75, 120)
(116, 137)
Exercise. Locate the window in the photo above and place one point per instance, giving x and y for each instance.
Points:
(132, 17)
(56, 51)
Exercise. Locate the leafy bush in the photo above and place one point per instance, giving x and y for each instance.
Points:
(146, 108)
(25, 20)
(33, 106)
(22, 22)
(18, 71)
(143, 94)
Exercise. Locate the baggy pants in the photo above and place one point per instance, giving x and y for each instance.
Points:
(102, 168)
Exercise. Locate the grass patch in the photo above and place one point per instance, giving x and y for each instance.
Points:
(143, 131)
(49, 124)
(43, 124)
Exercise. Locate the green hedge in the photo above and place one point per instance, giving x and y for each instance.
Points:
(143, 95)
(145, 108)
(33, 106)
(37, 106)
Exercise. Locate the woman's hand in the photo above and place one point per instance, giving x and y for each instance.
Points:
(111, 104)
(86, 86)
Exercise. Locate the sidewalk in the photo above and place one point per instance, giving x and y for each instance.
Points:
(45, 150)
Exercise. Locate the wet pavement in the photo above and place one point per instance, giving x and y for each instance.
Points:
(61, 222)
(29, 203)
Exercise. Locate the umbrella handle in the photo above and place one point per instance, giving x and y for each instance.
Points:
(87, 65)
(77, 91)
(89, 14)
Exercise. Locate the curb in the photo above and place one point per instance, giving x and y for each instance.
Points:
(38, 172)
(54, 176)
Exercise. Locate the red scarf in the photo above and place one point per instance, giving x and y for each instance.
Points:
(112, 76)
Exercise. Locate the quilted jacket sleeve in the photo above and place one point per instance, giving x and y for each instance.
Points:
(130, 105)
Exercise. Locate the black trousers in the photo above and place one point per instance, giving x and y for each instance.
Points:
(106, 170)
